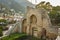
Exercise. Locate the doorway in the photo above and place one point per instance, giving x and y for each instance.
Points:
(34, 31)
(24, 26)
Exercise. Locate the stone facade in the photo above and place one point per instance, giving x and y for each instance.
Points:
(37, 23)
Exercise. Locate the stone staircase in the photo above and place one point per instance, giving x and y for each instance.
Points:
(10, 30)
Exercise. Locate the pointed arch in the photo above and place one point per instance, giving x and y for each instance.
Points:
(24, 26)
(33, 19)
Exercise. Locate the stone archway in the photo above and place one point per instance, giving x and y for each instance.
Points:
(24, 26)
(33, 21)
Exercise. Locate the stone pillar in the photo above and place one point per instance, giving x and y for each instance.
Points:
(28, 30)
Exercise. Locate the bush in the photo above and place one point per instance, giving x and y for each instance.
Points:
(13, 36)
(1, 31)
(18, 36)
(4, 22)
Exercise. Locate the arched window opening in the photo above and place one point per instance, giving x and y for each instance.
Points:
(33, 19)
(24, 26)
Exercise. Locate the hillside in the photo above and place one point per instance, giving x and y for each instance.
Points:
(17, 5)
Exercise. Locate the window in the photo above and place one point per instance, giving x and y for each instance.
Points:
(33, 19)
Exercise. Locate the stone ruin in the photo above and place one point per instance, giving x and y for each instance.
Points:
(38, 24)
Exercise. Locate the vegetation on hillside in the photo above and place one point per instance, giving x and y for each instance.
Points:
(1, 29)
(3, 23)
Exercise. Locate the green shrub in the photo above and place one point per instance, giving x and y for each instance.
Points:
(1, 31)
(3, 21)
(18, 36)
(13, 36)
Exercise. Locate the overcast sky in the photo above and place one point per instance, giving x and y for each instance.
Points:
(53, 2)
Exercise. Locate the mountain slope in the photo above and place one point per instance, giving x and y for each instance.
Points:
(25, 3)
(17, 5)
(12, 5)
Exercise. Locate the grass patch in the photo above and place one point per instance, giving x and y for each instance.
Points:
(13, 36)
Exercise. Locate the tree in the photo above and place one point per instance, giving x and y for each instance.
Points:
(45, 5)
(54, 12)
(1, 29)
(3, 22)
(55, 15)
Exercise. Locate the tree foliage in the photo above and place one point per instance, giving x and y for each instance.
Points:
(3, 22)
(54, 11)
(44, 5)
(1, 29)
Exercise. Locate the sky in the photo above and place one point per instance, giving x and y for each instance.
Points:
(53, 2)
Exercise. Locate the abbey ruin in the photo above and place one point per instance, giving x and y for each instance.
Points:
(37, 23)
